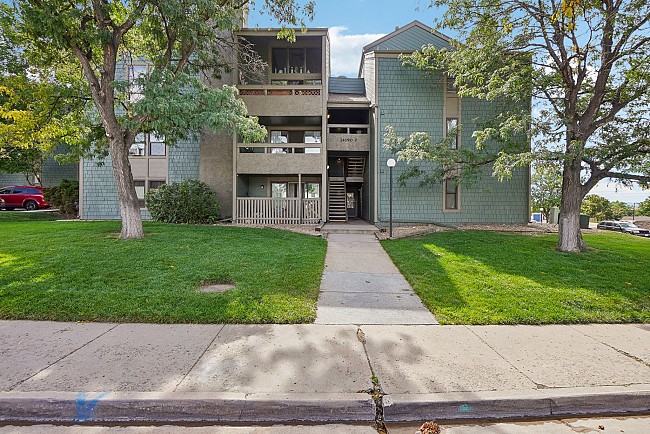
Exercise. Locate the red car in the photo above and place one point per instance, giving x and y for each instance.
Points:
(22, 196)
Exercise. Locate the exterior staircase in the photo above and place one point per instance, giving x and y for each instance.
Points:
(337, 209)
(355, 167)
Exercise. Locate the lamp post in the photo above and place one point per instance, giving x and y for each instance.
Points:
(390, 163)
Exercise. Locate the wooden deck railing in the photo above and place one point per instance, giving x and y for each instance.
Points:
(278, 210)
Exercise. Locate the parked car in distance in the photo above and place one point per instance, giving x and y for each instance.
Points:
(22, 196)
(625, 227)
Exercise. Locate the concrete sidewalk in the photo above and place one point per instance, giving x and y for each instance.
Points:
(361, 285)
(283, 373)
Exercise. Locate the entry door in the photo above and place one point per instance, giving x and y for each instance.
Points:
(351, 204)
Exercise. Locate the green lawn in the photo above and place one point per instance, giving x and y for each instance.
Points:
(80, 271)
(474, 277)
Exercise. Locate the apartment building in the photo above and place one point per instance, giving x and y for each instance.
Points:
(323, 158)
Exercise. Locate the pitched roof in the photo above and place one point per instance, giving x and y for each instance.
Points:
(348, 86)
(410, 37)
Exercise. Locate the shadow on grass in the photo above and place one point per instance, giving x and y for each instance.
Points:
(487, 277)
(72, 271)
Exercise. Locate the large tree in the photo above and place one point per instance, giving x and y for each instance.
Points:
(181, 43)
(587, 68)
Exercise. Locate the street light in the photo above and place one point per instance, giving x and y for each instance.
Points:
(390, 163)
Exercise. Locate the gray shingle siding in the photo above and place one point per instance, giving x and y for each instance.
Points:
(411, 101)
(410, 39)
(99, 198)
(12, 179)
(184, 160)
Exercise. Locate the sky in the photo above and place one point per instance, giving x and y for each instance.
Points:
(355, 23)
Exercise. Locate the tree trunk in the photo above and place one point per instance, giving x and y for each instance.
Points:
(129, 207)
(570, 237)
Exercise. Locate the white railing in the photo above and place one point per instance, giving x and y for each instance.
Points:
(277, 210)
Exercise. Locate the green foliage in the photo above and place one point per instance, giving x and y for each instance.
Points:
(644, 207)
(546, 187)
(64, 196)
(474, 277)
(619, 210)
(190, 201)
(168, 49)
(26, 161)
(598, 207)
(586, 68)
(70, 271)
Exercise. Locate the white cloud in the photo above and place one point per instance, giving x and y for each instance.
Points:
(346, 50)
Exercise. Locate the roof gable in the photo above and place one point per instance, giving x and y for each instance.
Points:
(409, 38)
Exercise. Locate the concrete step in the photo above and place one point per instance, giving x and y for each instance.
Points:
(348, 228)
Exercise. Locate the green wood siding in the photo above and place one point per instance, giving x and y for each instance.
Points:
(411, 101)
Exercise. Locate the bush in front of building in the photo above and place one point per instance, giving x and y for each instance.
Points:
(64, 196)
(190, 201)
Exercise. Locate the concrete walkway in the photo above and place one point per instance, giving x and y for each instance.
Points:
(94, 372)
(361, 285)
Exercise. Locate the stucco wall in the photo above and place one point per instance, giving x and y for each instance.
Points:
(215, 167)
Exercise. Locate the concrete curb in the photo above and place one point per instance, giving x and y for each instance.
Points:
(184, 407)
(174, 407)
(541, 403)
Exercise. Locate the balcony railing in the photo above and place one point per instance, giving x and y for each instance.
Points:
(278, 210)
(283, 100)
(277, 90)
(348, 137)
(280, 158)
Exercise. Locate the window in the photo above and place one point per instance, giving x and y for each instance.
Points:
(296, 61)
(280, 60)
(311, 190)
(136, 72)
(451, 194)
(312, 137)
(314, 61)
(452, 128)
(142, 187)
(154, 143)
(451, 81)
(155, 184)
(279, 137)
(278, 189)
(157, 146)
(138, 146)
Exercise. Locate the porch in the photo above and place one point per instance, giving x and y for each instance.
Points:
(278, 210)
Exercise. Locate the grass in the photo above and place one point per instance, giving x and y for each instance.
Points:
(80, 271)
(473, 277)
(21, 216)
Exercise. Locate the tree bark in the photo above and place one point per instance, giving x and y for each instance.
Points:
(570, 237)
(128, 200)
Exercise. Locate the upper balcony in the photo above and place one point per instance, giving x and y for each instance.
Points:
(290, 82)
(279, 159)
(283, 100)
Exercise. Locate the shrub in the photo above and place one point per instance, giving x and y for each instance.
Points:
(64, 196)
(190, 201)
